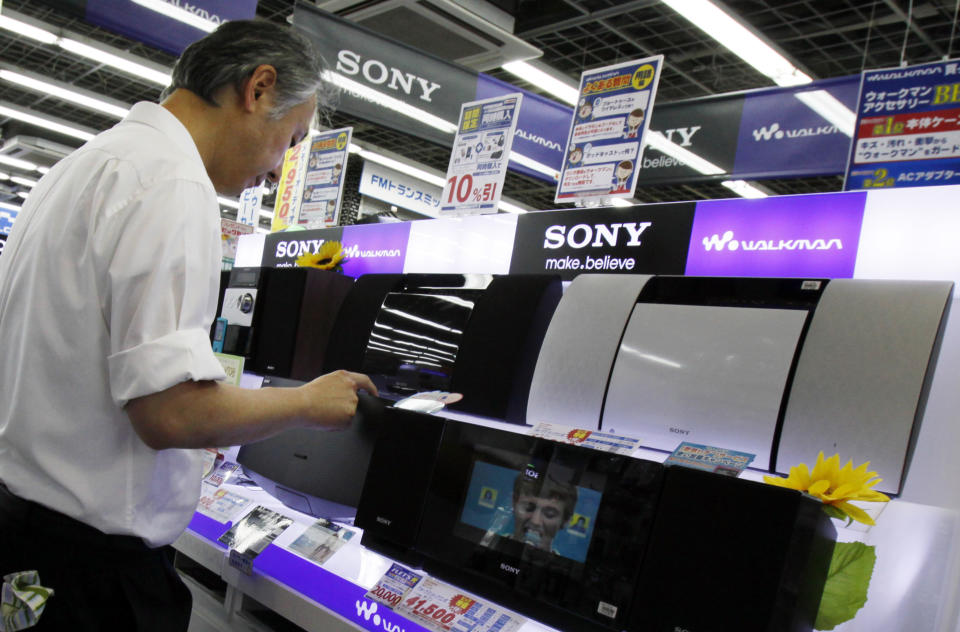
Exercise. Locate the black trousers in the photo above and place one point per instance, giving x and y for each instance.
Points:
(101, 582)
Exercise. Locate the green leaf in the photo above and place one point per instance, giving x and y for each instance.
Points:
(833, 512)
(847, 581)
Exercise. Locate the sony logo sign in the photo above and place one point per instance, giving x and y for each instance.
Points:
(383, 520)
(377, 73)
(510, 569)
(679, 431)
(595, 236)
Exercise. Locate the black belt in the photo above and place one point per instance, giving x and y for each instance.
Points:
(21, 513)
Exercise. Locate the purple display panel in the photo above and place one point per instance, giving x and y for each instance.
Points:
(375, 248)
(790, 236)
(780, 136)
(156, 29)
(332, 591)
(208, 528)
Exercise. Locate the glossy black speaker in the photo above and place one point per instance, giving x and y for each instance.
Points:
(728, 555)
(349, 334)
(397, 482)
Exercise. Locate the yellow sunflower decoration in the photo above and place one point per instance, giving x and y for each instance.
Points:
(835, 486)
(330, 256)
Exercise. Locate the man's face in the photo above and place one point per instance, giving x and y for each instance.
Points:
(536, 520)
(257, 152)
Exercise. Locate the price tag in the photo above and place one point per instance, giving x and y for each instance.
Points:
(443, 608)
(394, 586)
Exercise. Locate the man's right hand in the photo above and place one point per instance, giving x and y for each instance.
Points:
(331, 400)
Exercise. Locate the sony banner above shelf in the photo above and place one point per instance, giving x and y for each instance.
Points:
(878, 234)
(648, 239)
(138, 20)
(369, 248)
(908, 128)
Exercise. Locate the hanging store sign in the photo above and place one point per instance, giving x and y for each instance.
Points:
(399, 189)
(481, 150)
(784, 134)
(138, 21)
(605, 142)
(788, 236)
(648, 239)
(385, 81)
(908, 128)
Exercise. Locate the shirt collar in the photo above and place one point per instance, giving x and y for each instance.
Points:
(161, 119)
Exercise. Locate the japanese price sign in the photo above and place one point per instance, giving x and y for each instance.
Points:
(605, 142)
(908, 128)
(444, 608)
(481, 151)
(323, 183)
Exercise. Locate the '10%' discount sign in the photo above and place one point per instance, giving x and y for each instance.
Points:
(481, 151)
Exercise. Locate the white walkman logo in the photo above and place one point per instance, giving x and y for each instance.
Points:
(368, 611)
(775, 133)
(727, 242)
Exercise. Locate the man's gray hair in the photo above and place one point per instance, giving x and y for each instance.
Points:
(230, 54)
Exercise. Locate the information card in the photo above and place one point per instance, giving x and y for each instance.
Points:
(605, 142)
(481, 151)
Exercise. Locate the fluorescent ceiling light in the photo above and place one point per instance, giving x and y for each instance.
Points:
(23, 194)
(181, 15)
(4, 176)
(96, 53)
(66, 94)
(40, 121)
(21, 28)
(535, 76)
(512, 208)
(741, 41)
(621, 202)
(79, 48)
(229, 203)
(530, 163)
(27, 182)
(266, 214)
(19, 164)
(402, 167)
(9, 207)
(389, 102)
(659, 142)
(827, 106)
(743, 189)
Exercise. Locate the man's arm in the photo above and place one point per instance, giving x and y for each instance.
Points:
(207, 414)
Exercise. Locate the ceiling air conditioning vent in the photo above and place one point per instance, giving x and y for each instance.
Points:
(39, 151)
(475, 34)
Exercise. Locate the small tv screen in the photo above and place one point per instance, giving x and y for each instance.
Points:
(538, 505)
(414, 342)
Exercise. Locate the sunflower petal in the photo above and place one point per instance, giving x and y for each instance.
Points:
(854, 512)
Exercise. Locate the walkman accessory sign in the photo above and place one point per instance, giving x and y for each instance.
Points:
(908, 128)
(481, 150)
(605, 143)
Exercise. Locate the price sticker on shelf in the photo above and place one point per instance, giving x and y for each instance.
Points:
(481, 151)
(394, 586)
(446, 608)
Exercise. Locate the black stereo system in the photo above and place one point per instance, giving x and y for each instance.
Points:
(585, 540)
(280, 319)
(474, 334)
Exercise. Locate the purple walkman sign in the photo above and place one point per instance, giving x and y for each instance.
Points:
(791, 236)
(375, 248)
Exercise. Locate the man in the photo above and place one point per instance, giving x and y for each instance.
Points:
(541, 509)
(108, 286)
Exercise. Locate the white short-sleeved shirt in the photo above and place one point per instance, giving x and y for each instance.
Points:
(108, 286)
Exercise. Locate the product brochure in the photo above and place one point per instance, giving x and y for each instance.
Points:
(255, 531)
(395, 584)
(321, 540)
